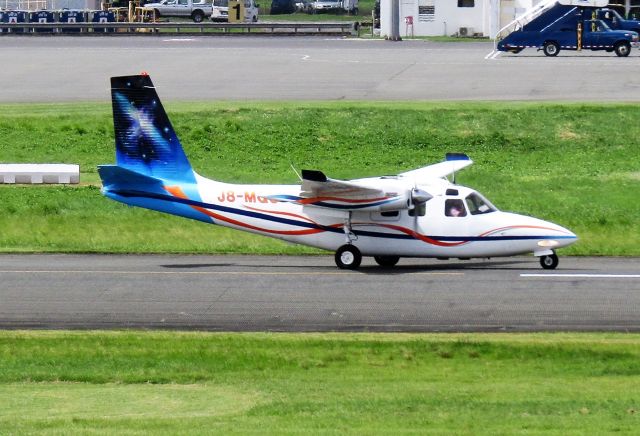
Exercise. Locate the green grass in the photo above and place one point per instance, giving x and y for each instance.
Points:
(574, 164)
(138, 382)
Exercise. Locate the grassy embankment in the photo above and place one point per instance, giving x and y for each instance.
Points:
(574, 164)
(136, 382)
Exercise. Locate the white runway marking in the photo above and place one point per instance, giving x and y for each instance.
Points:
(178, 39)
(586, 276)
(305, 57)
(255, 273)
(494, 54)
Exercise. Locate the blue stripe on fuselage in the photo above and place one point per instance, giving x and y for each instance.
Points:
(267, 217)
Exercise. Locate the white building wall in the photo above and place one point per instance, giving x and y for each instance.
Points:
(486, 17)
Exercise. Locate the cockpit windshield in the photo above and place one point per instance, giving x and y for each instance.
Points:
(478, 205)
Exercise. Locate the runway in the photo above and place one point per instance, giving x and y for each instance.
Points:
(210, 68)
(281, 293)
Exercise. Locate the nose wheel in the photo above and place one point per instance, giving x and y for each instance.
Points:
(549, 261)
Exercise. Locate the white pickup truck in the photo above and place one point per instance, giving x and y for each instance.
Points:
(196, 10)
(221, 11)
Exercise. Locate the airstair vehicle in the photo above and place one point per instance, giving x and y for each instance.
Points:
(555, 25)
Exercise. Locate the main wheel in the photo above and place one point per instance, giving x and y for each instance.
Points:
(348, 257)
(387, 261)
(623, 49)
(551, 48)
(197, 17)
(549, 261)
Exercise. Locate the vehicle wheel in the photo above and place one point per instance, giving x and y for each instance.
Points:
(348, 257)
(387, 261)
(549, 261)
(197, 16)
(551, 48)
(623, 49)
(254, 19)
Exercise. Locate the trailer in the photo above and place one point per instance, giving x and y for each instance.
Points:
(565, 25)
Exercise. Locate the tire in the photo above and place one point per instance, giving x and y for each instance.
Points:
(387, 261)
(348, 257)
(551, 48)
(254, 19)
(622, 49)
(549, 261)
(197, 16)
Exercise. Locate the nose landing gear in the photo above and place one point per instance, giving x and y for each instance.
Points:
(549, 261)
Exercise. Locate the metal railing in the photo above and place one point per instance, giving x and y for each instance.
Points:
(23, 5)
(119, 28)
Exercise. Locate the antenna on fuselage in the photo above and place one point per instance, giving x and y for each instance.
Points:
(296, 171)
(450, 157)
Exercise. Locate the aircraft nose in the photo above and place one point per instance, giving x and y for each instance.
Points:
(561, 237)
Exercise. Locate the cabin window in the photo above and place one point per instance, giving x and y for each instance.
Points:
(466, 3)
(478, 205)
(454, 208)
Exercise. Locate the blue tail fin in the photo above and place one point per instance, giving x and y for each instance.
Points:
(152, 170)
(145, 140)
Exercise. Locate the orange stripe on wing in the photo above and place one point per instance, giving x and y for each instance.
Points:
(343, 200)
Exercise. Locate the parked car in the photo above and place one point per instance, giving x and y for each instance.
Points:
(282, 7)
(196, 10)
(336, 6)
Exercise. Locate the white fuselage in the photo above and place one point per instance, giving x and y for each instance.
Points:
(435, 233)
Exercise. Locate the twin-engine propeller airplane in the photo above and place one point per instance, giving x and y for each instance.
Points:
(417, 213)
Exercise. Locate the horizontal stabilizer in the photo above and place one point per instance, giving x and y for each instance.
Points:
(118, 178)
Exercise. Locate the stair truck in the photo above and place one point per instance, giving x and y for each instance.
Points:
(565, 25)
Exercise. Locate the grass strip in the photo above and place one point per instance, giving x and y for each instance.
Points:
(127, 382)
(574, 164)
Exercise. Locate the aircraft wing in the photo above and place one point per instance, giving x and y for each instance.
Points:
(320, 191)
(454, 162)
(316, 184)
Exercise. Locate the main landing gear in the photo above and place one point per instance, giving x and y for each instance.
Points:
(348, 257)
(549, 261)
